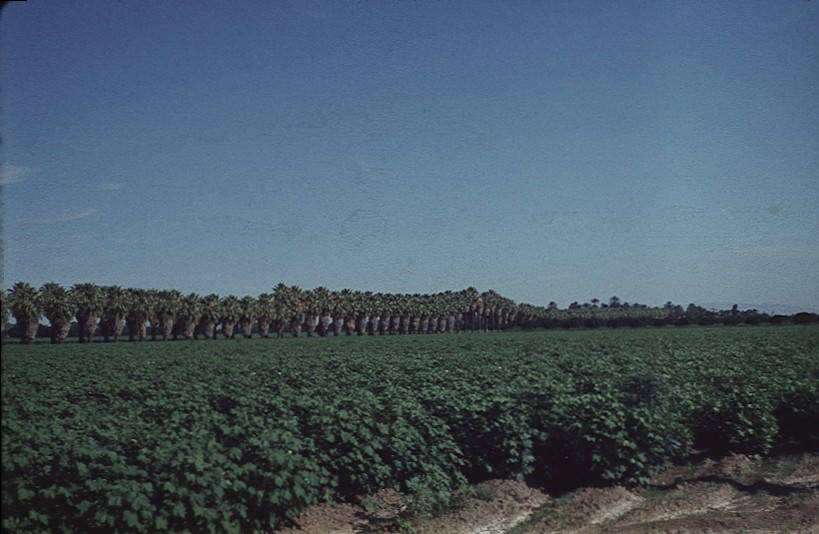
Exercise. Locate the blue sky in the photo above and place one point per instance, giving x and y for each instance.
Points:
(549, 150)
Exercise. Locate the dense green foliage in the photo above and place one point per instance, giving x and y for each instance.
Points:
(240, 436)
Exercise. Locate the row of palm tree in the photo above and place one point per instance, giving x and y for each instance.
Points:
(319, 311)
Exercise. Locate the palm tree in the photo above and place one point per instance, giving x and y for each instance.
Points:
(4, 314)
(450, 307)
(394, 311)
(311, 311)
(247, 316)
(441, 313)
(361, 316)
(467, 297)
(58, 309)
(264, 310)
(403, 314)
(322, 306)
(89, 304)
(114, 308)
(350, 311)
(341, 309)
(295, 307)
(26, 305)
(385, 314)
(188, 315)
(152, 306)
(231, 310)
(166, 308)
(137, 314)
(376, 308)
(477, 308)
(424, 312)
(280, 308)
(210, 314)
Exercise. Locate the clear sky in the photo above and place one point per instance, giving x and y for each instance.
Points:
(548, 150)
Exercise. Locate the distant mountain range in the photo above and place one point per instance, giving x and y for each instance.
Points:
(783, 309)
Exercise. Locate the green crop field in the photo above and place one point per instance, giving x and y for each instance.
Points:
(240, 435)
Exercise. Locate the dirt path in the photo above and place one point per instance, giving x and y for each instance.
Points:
(734, 494)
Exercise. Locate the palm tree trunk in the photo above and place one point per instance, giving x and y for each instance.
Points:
(450, 324)
(87, 326)
(349, 325)
(206, 328)
(166, 325)
(189, 331)
(264, 328)
(384, 324)
(424, 325)
(27, 331)
(247, 329)
(132, 328)
(295, 326)
(119, 327)
(62, 331)
(59, 331)
(324, 325)
(395, 324)
(107, 327)
(311, 324)
(338, 325)
(227, 329)
(361, 324)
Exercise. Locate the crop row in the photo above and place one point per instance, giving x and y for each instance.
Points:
(241, 437)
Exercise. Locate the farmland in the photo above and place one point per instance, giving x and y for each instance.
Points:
(240, 435)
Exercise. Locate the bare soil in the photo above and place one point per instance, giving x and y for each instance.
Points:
(731, 494)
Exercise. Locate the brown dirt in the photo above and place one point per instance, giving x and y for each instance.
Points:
(505, 503)
(732, 494)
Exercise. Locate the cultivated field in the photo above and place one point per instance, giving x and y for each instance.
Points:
(241, 435)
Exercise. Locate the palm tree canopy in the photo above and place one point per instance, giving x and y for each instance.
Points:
(115, 301)
(57, 303)
(4, 310)
(138, 303)
(190, 307)
(167, 302)
(25, 302)
(211, 310)
(87, 298)
(230, 308)
(248, 308)
(264, 306)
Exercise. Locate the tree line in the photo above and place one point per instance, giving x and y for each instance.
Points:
(87, 309)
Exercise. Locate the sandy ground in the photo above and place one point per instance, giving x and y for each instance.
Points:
(733, 494)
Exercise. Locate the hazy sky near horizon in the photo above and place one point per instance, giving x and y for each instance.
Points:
(548, 150)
